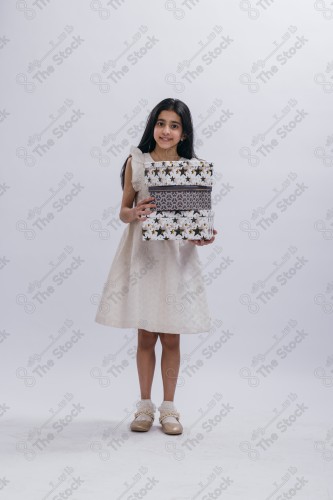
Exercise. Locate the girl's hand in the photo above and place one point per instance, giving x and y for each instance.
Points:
(139, 212)
(201, 243)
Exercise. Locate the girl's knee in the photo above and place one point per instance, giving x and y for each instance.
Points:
(170, 340)
(146, 340)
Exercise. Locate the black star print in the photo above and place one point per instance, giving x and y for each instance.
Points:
(172, 178)
(198, 171)
(179, 231)
(182, 171)
(156, 171)
(167, 170)
(160, 231)
(197, 231)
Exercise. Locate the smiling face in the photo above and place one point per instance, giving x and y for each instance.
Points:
(168, 130)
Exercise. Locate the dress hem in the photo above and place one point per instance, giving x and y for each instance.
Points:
(148, 328)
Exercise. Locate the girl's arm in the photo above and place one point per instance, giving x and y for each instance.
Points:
(128, 213)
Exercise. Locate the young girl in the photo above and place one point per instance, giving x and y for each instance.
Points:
(156, 286)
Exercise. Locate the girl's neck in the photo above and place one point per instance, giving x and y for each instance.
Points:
(159, 154)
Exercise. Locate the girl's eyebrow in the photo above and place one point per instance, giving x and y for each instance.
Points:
(172, 121)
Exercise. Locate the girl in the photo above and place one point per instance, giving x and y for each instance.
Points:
(155, 286)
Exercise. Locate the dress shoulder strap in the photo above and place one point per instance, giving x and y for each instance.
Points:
(137, 167)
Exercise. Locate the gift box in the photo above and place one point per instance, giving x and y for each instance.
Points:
(181, 197)
(182, 191)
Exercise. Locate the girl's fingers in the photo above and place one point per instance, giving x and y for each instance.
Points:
(202, 242)
(146, 200)
(146, 205)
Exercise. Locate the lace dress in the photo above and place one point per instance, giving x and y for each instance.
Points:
(154, 285)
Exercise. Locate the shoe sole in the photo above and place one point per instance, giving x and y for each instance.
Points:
(172, 433)
(139, 429)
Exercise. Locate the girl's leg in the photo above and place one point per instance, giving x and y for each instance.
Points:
(145, 359)
(170, 362)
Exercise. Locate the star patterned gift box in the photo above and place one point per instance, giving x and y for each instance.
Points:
(182, 191)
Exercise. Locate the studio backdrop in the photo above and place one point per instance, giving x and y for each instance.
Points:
(78, 81)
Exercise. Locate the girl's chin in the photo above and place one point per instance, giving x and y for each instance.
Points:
(165, 143)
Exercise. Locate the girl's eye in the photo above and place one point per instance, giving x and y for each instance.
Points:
(160, 124)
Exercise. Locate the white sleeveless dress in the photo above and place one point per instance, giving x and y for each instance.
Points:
(154, 285)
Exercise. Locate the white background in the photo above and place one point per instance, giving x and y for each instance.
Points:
(270, 354)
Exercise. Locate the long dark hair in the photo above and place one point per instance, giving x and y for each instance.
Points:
(147, 144)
